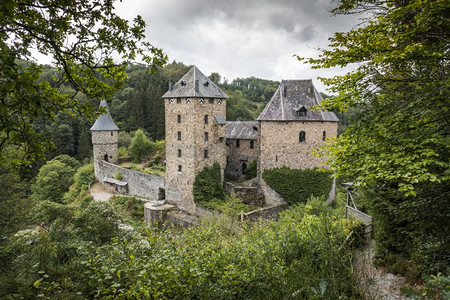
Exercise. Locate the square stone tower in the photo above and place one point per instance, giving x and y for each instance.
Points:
(195, 134)
(105, 139)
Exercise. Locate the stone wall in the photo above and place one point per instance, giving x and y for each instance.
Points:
(139, 184)
(280, 146)
(266, 213)
(105, 145)
(238, 156)
(192, 145)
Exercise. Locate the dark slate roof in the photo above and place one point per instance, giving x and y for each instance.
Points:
(290, 97)
(242, 130)
(220, 120)
(195, 84)
(104, 122)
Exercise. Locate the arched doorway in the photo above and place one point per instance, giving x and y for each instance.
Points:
(105, 158)
(244, 166)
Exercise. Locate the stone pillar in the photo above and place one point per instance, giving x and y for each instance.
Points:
(156, 213)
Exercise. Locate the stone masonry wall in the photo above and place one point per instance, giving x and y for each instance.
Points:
(192, 128)
(105, 143)
(280, 146)
(139, 184)
(238, 156)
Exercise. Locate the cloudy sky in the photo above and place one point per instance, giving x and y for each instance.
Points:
(241, 38)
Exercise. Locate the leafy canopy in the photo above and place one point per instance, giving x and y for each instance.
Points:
(90, 45)
(399, 87)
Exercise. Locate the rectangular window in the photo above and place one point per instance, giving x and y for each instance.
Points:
(179, 118)
(324, 136)
(179, 152)
(205, 154)
(179, 135)
(179, 168)
(251, 145)
(238, 143)
(206, 119)
(227, 142)
(211, 100)
(206, 136)
(178, 100)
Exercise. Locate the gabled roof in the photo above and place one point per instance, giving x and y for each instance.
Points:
(195, 84)
(242, 130)
(290, 97)
(104, 122)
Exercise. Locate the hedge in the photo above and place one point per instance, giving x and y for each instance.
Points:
(208, 184)
(297, 186)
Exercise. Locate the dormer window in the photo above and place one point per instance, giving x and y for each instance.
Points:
(211, 100)
(302, 112)
(206, 83)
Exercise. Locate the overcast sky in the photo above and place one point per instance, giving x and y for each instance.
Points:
(241, 38)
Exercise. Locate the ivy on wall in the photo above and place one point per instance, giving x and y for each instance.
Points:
(208, 184)
(297, 186)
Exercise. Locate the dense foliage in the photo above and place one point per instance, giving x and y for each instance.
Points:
(297, 186)
(397, 142)
(82, 38)
(208, 184)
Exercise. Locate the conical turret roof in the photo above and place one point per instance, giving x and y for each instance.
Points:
(196, 85)
(104, 122)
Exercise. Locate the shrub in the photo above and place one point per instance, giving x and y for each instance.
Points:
(84, 176)
(118, 175)
(208, 184)
(296, 186)
(68, 160)
(123, 152)
(250, 172)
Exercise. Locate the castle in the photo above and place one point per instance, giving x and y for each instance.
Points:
(197, 133)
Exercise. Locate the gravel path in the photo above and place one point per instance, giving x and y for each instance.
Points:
(99, 193)
(373, 283)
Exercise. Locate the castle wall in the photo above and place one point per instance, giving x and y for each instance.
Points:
(192, 128)
(280, 146)
(238, 156)
(139, 184)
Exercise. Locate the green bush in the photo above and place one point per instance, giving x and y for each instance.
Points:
(123, 152)
(84, 176)
(208, 184)
(304, 256)
(250, 172)
(52, 181)
(297, 186)
(68, 160)
(140, 146)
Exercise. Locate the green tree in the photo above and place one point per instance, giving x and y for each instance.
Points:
(397, 142)
(82, 38)
(400, 87)
(53, 181)
(140, 145)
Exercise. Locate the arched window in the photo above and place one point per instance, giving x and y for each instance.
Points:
(244, 167)
(105, 158)
(324, 135)
(302, 137)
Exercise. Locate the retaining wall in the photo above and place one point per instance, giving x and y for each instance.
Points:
(139, 184)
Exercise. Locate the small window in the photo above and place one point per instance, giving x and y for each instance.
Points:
(112, 133)
(324, 135)
(179, 152)
(183, 83)
(251, 145)
(227, 142)
(179, 118)
(179, 135)
(206, 136)
(179, 168)
(105, 158)
(302, 137)
(205, 154)
(276, 158)
(178, 100)
(238, 143)
(302, 112)
(206, 119)
(211, 100)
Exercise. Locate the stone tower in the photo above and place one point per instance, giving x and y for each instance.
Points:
(105, 138)
(195, 134)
